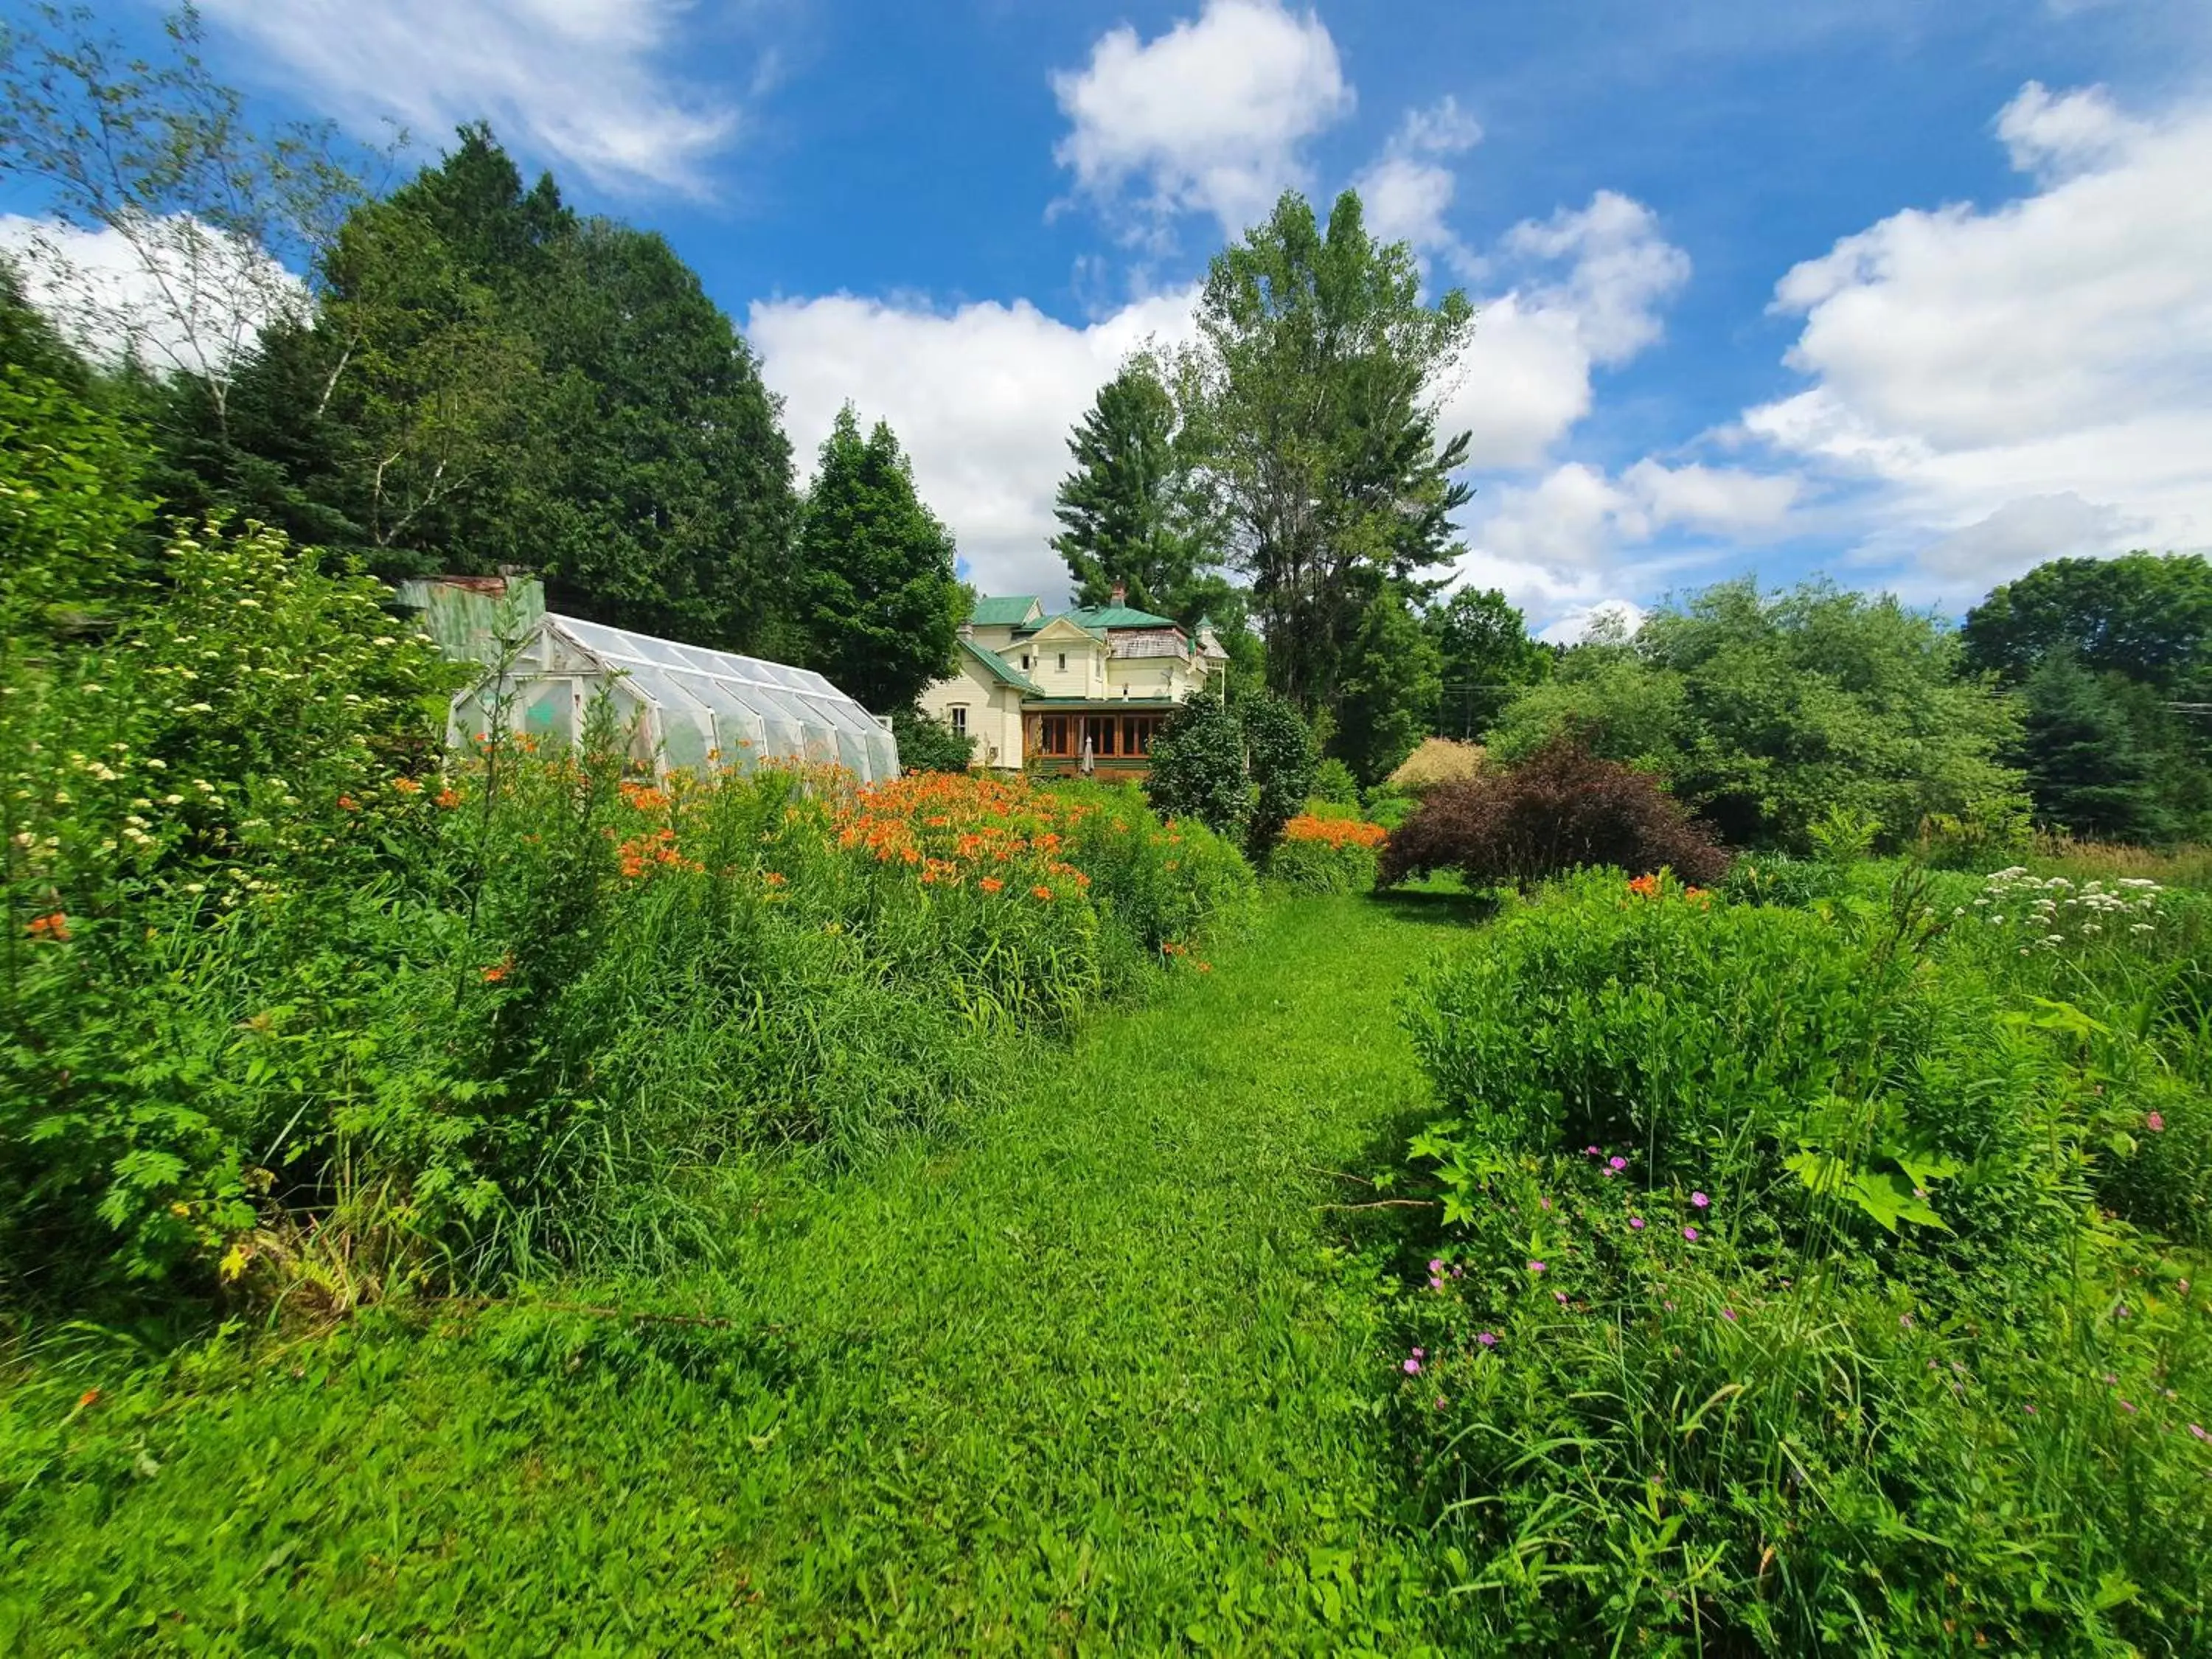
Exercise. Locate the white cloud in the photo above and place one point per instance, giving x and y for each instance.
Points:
(176, 294)
(1406, 190)
(1616, 619)
(1208, 118)
(1710, 498)
(2007, 383)
(1623, 268)
(982, 398)
(1525, 380)
(2056, 138)
(587, 83)
(1562, 546)
(2024, 532)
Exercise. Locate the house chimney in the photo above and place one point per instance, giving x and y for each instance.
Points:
(1120, 592)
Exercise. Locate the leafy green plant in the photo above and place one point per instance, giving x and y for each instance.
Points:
(1761, 1228)
(1280, 755)
(1198, 766)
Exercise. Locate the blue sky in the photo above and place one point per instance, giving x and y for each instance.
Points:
(1914, 292)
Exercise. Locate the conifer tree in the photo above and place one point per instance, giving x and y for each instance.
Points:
(880, 604)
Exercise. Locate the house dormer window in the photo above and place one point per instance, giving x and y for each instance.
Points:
(1063, 662)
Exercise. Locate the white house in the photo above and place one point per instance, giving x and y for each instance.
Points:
(1033, 687)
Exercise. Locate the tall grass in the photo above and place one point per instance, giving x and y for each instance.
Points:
(541, 1015)
(1809, 1278)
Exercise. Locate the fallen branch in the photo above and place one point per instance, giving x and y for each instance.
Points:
(1386, 1204)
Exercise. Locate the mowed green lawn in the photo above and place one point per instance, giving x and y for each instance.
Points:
(1094, 1379)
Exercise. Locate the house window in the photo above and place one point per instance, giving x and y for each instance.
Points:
(1137, 733)
(960, 718)
(1063, 662)
(1052, 734)
(1025, 663)
(1098, 732)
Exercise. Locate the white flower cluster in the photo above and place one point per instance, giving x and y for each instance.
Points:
(2047, 907)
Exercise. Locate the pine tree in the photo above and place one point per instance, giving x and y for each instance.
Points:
(2082, 747)
(1123, 518)
(880, 604)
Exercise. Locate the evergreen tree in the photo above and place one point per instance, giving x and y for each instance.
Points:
(1392, 680)
(1122, 509)
(881, 606)
(2090, 769)
(491, 380)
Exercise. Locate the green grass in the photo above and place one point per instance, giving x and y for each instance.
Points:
(1097, 1378)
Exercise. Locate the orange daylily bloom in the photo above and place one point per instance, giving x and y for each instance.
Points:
(54, 926)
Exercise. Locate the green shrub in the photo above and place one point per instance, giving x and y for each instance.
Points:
(1198, 766)
(928, 744)
(1770, 1312)
(1281, 754)
(1334, 783)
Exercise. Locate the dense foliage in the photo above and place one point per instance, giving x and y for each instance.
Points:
(1310, 393)
(491, 379)
(2100, 650)
(1764, 712)
(927, 743)
(1280, 755)
(882, 602)
(1770, 1308)
(1198, 766)
(1561, 809)
(525, 1006)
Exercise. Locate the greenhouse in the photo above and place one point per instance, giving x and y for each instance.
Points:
(682, 706)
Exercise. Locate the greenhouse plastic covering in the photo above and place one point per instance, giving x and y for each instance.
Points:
(684, 706)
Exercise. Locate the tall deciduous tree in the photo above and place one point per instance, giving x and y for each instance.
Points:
(2142, 615)
(1311, 390)
(1486, 658)
(881, 603)
(1124, 510)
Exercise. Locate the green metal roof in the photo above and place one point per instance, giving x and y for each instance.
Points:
(1000, 670)
(1116, 616)
(1008, 610)
(1097, 619)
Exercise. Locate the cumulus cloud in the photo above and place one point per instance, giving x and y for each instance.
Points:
(2056, 138)
(1562, 546)
(1208, 118)
(982, 397)
(176, 294)
(1594, 279)
(1407, 189)
(587, 83)
(2002, 383)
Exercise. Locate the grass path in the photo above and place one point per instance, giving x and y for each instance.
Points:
(1092, 1381)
